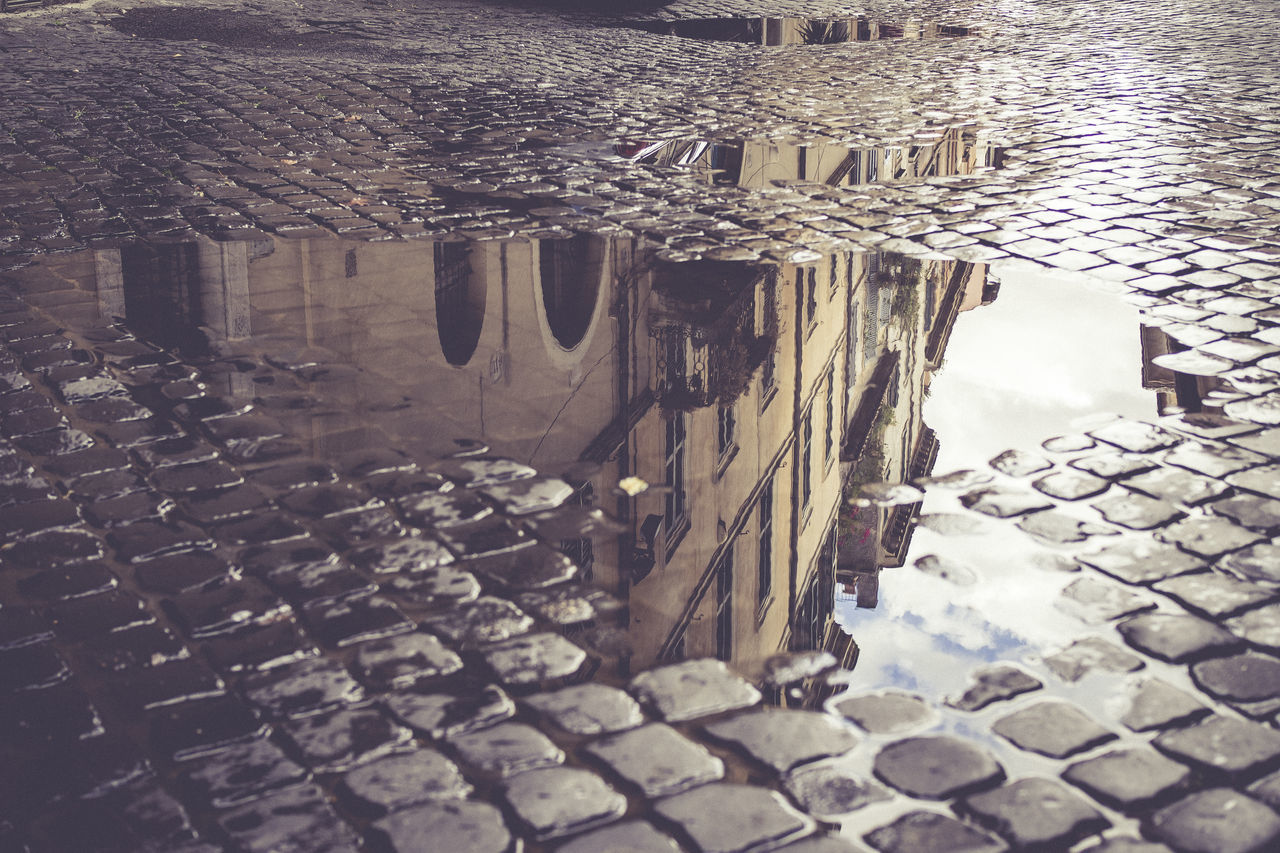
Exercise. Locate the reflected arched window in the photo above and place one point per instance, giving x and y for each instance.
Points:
(459, 302)
(570, 285)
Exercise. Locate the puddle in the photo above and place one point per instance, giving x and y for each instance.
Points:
(759, 163)
(796, 31)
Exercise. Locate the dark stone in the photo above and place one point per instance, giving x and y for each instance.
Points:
(448, 585)
(506, 749)
(183, 450)
(1177, 638)
(534, 658)
(302, 688)
(181, 573)
(91, 460)
(1224, 746)
(632, 836)
(147, 540)
(349, 529)
(191, 729)
(588, 709)
(462, 825)
(411, 554)
(657, 760)
(143, 645)
(397, 781)
(290, 476)
(1157, 705)
(95, 615)
(52, 548)
(226, 505)
(25, 518)
(782, 739)
(397, 662)
(486, 538)
(485, 471)
(1216, 596)
(526, 569)
(1002, 502)
(230, 607)
(68, 582)
(167, 683)
(562, 800)
(130, 509)
(196, 477)
(58, 714)
(931, 832)
(995, 684)
(296, 820)
(1084, 656)
(259, 647)
(723, 817)
(336, 741)
(1208, 536)
(827, 791)
(32, 667)
(22, 626)
(1218, 820)
(522, 497)
(1131, 780)
(1136, 512)
(264, 529)
(353, 620)
(1252, 511)
(1036, 814)
(1247, 677)
(936, 767)
(327, 500)
(441, 715)
(487, 620)
(886, 713)
(441, 510)
(696, 688)
(241, 772)
(1096, 600)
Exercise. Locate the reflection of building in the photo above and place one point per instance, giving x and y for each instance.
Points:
(759, 162)
(795, 31)
(911, 308)
(746, 396)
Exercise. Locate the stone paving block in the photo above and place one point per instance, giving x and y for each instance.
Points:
(446, 714)
(1135, 436)
(886, 713)
(1208, 536)
(1177, 638)
(1131, 780)
(1036, 813)
(1089, 654)
(1120, 844)
(692, 689)
(335, 741)
(1095, 600)
(588, 709)
(995, 684)
(1224, 746)
(1071, 485)
(784, 738)
(1001, 502)
(1176, 485)
(931, 832)
(1259, 627)
(936, 767)
(1155, 704)
(635, 836)
(302, 688)
(534, 658)
(1260, 562)
(1264, 480)
(657, 760)
(487, 620)
(1136, 511)
(461, 825)
(396, 662)
(1214, 595)
(724, 817)
(290, 821)
(1218, 819)
(506, 749)
(398, 781)
(826, 790)
(562, 800)
(1246, 678)
(241, 772)
(1252, 511)
(1052, 728)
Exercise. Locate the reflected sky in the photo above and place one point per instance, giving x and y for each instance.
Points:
(1044, 354)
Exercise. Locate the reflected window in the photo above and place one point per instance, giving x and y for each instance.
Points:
(459, 302)
(724, 605)
(768, 316)
(569, 289)
(828, 440)
(581, 551)
(764, 565)
(726, 425)
(674, 365)
(675, 509)
(806, 459)
(810, 290)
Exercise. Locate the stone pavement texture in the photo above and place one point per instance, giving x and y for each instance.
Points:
(201, 652)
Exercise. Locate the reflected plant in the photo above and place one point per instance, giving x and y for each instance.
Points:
(824, 32)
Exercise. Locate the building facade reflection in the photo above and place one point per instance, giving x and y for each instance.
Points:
(750, 401)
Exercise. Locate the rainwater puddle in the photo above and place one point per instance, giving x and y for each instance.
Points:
(796, 31)
(759, 163)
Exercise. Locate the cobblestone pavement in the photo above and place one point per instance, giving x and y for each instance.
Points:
(211, 640)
